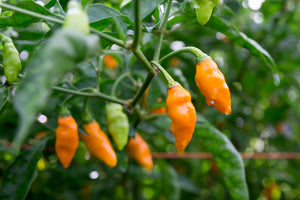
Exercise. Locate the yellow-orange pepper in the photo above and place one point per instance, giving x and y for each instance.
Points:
(139, 150)
(98, 143)
(67, 140)
(183, 115)
(211, 83)
(110, 62)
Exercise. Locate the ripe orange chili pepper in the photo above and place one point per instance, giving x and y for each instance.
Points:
(110, 62)
(98, 143)
(183, 115)
(139, 150)
(160, 110)
(211, 83)
(67, 139)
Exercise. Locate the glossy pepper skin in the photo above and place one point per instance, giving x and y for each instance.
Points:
(11, 59)
(211, 83)
(183, 115)
(67, 139)
(118, 124)
(140, 152)
(98, 143)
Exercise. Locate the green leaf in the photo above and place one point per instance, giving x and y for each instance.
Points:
(20, 173)
(57, 56)
(225, 27)
(169, 181)
(98, 12)
(3, 98)
(147, 8)
(21, 20)
(227, 158)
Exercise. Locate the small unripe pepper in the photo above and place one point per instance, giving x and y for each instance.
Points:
(183, 115)
(11, 59)
(140, 152)
(98, 143)
(76, 18)
(211, 83)
(204, 9)
(118, 124)
(67, 138)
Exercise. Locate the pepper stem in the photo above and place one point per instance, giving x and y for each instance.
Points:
(200, 55)
(170, 81)
(86, 116)
(64, 111)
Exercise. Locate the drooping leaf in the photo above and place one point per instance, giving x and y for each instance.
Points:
(20, 20)
(225, 27)
(20, 173)
(227, 158)
(46, 68)
(98, 12)
(147, 8)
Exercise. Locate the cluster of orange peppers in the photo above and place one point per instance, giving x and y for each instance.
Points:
(97, 142)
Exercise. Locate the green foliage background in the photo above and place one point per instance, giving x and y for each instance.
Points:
(265, 112)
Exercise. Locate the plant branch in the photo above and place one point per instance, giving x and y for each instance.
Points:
(141, 91)
(59, 21)
(88, 94)
(139, 54)
(162, 30)
(137, 24)
(119, 79)
(197, 52)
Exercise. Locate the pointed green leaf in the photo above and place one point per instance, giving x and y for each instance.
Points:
(225, 27)
(20, 173)
(21, 20)
(46, 68)
(148, 7)
(227, 158)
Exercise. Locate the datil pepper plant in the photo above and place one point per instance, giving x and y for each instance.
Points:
(90, 60)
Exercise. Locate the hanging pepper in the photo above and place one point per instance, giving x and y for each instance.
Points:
(118, 124)
(110, 62)
(11, 59)
(183, 115)
(140, 152)
(204, 9)
(211, 83)
(67, 139)
(97, 141)
(76, 18)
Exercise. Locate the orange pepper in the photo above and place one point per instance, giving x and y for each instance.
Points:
(98, 143)
(67, 140)
(110, 62)
(183, 115)
(139, 150)
(211, 83)
(160, 110)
